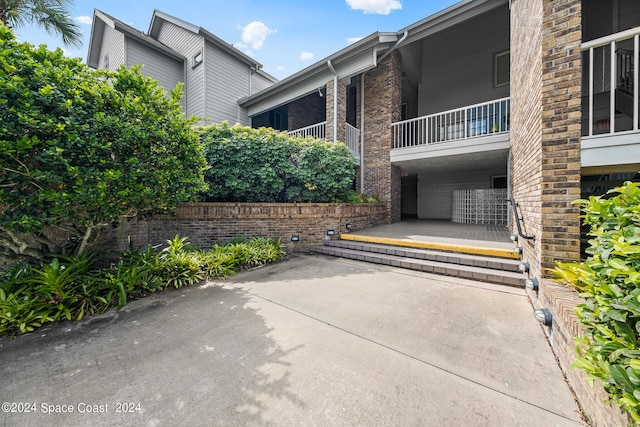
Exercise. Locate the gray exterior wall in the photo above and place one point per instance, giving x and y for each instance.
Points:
(435, 189)
(458, 63)
(188, 45)
(259, 82)
(227, 80)
(113, 47)
(167, 71)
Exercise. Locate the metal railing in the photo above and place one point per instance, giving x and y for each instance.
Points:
(462, 123)
(316, 131)
(319, 131)
(610, 103)
(352, 139)
(519, 219)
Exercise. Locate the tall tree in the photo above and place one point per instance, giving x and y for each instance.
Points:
(52, 15)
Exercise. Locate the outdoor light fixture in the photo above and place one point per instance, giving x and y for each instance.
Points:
(320, 92)
(514, 237)
(532, 284)
(331, 232)
(295, 238)
(518, 250)
(347, 226)
(524, 267)
(543, 316)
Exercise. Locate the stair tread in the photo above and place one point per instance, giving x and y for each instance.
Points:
(430, 254)
(458, 270)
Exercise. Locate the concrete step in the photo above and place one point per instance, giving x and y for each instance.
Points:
(446, 245)
(494, 263)
(440, 265)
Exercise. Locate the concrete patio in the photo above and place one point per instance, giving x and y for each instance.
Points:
(308, 341)
(444, 231)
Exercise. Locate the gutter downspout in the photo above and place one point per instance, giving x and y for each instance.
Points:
(375, 64)
(395, 46)
(252, 71)
(362, 131)
(335, 100)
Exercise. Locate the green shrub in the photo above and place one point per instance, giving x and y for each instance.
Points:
(80, 149)
(70, 288)
(355, 197)
(263, 165)
(609, 280)
(63, 288)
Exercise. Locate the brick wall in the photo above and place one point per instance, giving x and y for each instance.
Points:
(561, 126)
(306, 111)
(526, 121)
(382, 107)
(342, 110)
(207, 224)
(545, 168)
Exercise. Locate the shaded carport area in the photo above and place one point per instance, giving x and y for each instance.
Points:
(306, 341)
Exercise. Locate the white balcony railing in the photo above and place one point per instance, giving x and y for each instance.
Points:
(316, 131)
(352, 139)
(458, 124)
(319, 131)
(610, 83)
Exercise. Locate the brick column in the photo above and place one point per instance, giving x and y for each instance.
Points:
(546, 74)
(382, 107)
(342, 110)
(561, 130)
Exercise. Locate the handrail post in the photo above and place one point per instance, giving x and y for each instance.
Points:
(519, 218)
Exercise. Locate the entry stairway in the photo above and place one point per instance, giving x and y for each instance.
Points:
(486, 264)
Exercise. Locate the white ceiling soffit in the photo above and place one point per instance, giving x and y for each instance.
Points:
(350, 61)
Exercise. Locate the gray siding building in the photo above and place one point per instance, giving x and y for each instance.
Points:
(215, 75)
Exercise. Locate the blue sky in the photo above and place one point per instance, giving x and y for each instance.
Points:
(284, 35)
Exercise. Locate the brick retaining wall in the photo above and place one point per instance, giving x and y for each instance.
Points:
(207, 224)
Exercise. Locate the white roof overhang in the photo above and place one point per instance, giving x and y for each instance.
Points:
(350, 61)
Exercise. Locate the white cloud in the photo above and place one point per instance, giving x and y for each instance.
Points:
(380, 7)
(280, 68)
(84, 19)
(256, 33)
(352, 40)
(305, 56)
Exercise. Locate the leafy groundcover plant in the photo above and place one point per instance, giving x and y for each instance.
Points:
(609, 280)
(70, 287)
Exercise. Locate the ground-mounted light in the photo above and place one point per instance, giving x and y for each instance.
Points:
(543, 316)
(348, 226)
(514, 237)
(532, 284)
(295, 238)
(524, 267)
(518, 250)
(331, 232)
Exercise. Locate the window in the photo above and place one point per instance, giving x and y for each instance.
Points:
(197, 59)
(501, 68)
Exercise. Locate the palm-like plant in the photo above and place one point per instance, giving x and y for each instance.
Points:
(52, 15)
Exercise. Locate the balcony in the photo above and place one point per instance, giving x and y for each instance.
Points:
(485, 119)
(319, 131)
(610, 84)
